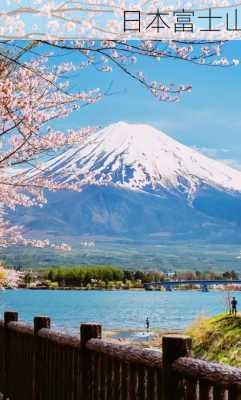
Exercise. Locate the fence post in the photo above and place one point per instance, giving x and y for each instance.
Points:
(41, 322)
(173, 347)
(38, 384)
(9, 316)
(87, 332)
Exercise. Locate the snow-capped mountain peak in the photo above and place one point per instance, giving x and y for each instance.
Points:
(140, 157)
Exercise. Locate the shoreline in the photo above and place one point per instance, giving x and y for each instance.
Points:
(78, 288)
(148, 339)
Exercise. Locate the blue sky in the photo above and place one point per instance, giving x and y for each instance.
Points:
(209, 117)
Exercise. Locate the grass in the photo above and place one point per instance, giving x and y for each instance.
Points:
(217, 339)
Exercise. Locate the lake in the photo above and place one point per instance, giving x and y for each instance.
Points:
(114, 309)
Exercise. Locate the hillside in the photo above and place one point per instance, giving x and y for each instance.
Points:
(217, 339)
(133, 255)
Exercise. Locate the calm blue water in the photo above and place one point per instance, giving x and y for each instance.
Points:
(117, 309)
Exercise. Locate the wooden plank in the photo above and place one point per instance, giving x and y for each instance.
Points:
(151, 384)
(141, 390)
(205, 391)
(109, 377)
(208, 371)
(124, 381)
(117, 379)
(234, 394)
(159, 383)
(191, 389)
(219, 393)
(127, 354)
(133, 381)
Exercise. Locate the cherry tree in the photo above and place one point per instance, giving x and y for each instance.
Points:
(31, 96)
(101, 19)
(9, 278)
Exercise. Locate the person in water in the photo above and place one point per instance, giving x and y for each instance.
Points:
(234, 306)
(147, 323)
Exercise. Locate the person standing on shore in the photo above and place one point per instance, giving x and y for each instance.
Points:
(147, 324)
(234, 306)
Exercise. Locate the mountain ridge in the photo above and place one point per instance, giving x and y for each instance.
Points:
(143, 184)
(139, 157)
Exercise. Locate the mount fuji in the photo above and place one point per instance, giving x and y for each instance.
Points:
(144, 185)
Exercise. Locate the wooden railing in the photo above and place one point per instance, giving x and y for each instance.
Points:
(37, 363)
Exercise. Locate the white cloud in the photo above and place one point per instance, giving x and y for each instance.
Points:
(233, 163)
(220, 155)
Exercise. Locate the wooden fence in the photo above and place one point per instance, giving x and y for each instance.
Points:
(37, 363)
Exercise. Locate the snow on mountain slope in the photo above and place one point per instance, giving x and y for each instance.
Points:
(139, 157)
